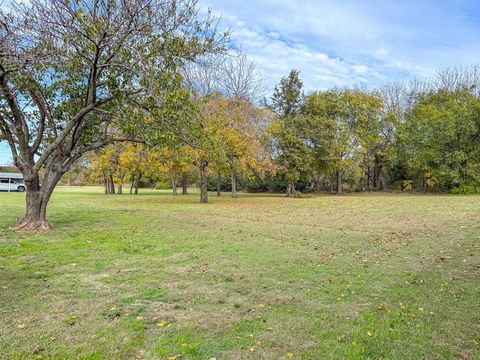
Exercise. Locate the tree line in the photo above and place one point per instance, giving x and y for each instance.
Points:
(421, 135)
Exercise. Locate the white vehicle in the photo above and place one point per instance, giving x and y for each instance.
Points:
(11, 182)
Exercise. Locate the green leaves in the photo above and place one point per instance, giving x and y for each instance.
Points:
(440, 137)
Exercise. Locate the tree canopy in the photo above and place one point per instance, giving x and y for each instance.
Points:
(72, 74)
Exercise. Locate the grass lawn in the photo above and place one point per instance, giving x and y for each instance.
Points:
(261, 277)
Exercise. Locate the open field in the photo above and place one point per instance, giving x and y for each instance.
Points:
(260, 277)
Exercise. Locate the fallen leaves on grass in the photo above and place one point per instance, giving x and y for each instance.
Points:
(394, 237)
(71, 320)
(163, 324)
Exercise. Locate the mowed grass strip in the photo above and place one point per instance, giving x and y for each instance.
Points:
(260, 277)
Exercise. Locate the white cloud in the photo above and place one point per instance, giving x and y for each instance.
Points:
(276, 55)
(351, 42)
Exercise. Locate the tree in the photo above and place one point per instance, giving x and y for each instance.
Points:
(440, 139)
(210, 143)
(201, 79)
(344, 128)
(291, 153)
(238, 137)
(105, 164)
(288, 97)
(242, 84)
(238, 78)
(133, 159)
(116, 162)
(69, 70)
(225, 86)
(171, 162)
(459, 79)
(371, 131)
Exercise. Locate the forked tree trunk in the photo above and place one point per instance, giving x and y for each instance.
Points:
(339, 182)
(203, 181)
(234, 182)
(184, 184)
(219, 183)
(35, 218)
(37, 197)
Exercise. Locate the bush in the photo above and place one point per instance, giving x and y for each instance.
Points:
(225, 184)
(163, 185)
(256, 184)
(272, 183)
(466, 189)
(300, 195)
(407, 185)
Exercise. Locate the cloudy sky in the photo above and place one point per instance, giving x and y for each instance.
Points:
(347, 42)
(350, 42)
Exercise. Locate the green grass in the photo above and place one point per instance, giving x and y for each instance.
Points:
(260, 277)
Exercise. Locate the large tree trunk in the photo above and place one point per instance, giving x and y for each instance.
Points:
(120, 186)
(332, 180)
(112, 184)
(174, 185)
(105, 182)
(377, 173)
(184, 184)
(369, 177)
(290, 189)
(219, 183)
(203, 181)
(339, 182)
(132, 183)
(233, 177)
(35, 218)
(37, 197)
(137, 182)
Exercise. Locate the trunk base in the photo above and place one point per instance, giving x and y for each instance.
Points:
(33, 226)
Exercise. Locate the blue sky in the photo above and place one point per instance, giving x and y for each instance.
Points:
(5, 155)
(353, 42)
(349, 42)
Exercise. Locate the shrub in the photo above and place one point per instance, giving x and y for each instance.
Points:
(466, 189)
(225, 184)
(272, 183)
(407, 185)
(397, 185)
(300, 195)
(163, 185)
